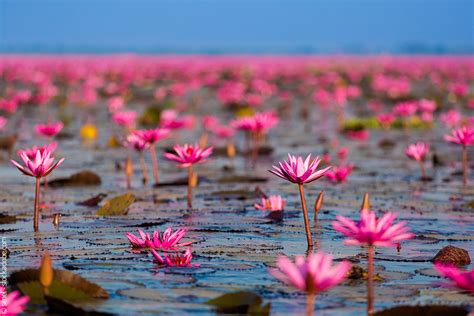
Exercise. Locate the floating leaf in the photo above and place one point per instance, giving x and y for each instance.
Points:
(7, 219)
(427, 310)
(63, 307)
(65, 286)
(82, 178)
(117, 206)
(7, 143)
(93, 201)
(242, 302)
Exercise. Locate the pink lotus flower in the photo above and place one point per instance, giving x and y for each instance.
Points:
(169, 119)
(298, 171)
(115, 104)
(451, 118)
(135, 142)
(386, 119)
(125, 118)
(405, 109)
(175, 260)
(209, 121)
(313, 274)
(272, 203)
(14, 303)
(166, 241)
(462, 136)
(3, 123)
(417, 151)
(362, 134)
(188, 155)
(31, 152)
(342, 153)
(40, 166)
(151, 136)
(49, 130)
(339, 173)
(223, 131)
(372, 231)
(464, 280)
(426, 105)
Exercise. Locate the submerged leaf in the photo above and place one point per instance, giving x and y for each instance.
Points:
(117, 206)
(82, 178)
(242, 302)
(431, 310)
(65, 286)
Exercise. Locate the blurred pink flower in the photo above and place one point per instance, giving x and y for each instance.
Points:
(386, 119)
(170, 119)
(339, 173)
(14, 303)
(417, 151)
(151, 136)
(405, 109)
(313, 274)
(166, 241)
(175, 260)
(426, 105)
(272, 203)
(3, 123)
(362, 134)
(40, 166)
(462, 136)
(49, 130)
(209, 122)
(298, 171)
(135, 142)
(188, 155)
(372, 231)
(223, 131)
(125, 118)
(451, 118)
(115, 104)
(463, 280)
(342, 153)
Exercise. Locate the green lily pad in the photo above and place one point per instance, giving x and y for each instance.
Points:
(65, 286)
(241, 302)
(117, 206)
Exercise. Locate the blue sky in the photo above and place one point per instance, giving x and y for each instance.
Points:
(240, 26)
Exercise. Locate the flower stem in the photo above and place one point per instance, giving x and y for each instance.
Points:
(144, 168)
(129, 171)
(305, 214)
(310, 304)
(256, 147)
(370, 281)
(190, 186)
(422, 168)
(154, 163)
(464, 165)
(36, 216)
